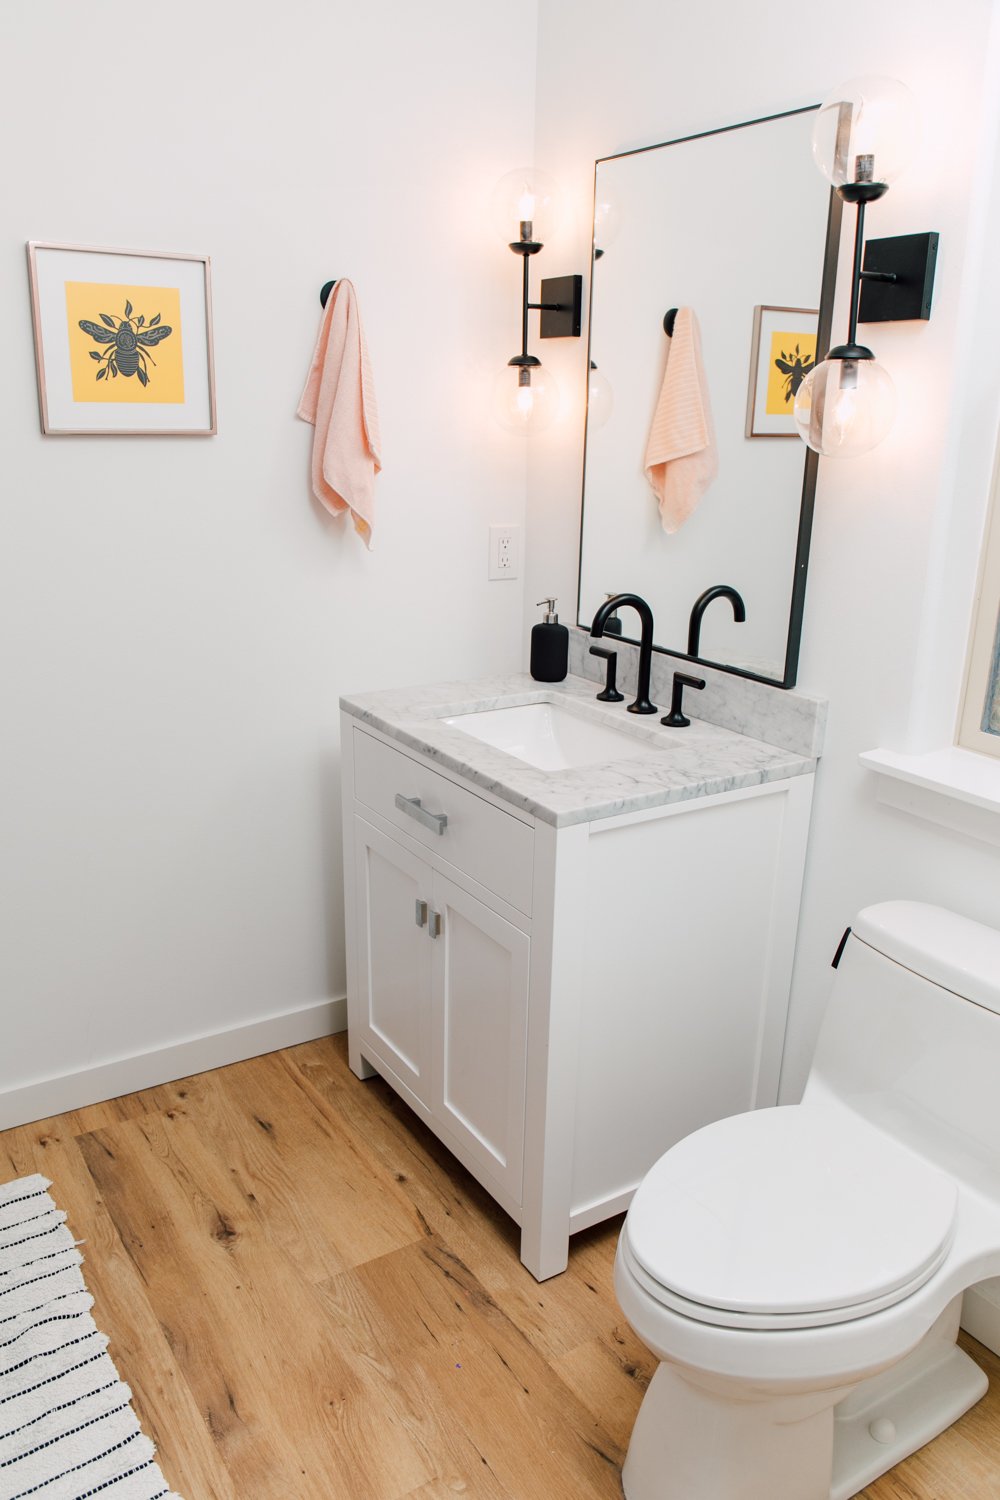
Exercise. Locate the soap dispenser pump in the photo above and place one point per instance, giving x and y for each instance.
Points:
(549, 646)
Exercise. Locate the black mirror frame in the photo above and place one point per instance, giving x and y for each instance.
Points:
(828, 287)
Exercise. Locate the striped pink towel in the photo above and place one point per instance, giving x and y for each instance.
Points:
(339, 400)
(681, 458)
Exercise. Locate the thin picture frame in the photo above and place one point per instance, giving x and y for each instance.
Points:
(55, 268)
(767, 321)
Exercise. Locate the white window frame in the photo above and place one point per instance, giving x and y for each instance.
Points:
(984, 638)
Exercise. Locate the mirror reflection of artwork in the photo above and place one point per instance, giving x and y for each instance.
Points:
(788, 368)
(782, 352)
(725, 222)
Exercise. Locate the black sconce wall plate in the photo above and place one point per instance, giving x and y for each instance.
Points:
(911, 260)
(561, 307)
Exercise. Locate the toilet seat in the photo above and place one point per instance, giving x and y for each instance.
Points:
(795, 1217)
(723, 1317)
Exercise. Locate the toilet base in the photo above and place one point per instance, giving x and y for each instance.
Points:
(908, 1405)
(700, 1437)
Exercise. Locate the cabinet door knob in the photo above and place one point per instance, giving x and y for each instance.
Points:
(434, 925)
(436, 822)
(421, 913)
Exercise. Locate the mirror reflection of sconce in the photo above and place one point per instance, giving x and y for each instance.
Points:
(526, 396)
(864, 136)
(607, 222)
(600, 398)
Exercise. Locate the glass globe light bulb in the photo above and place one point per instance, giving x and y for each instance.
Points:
(867, 130)
(525, 196)
(525, 400)
(600, 399)
(845, 406)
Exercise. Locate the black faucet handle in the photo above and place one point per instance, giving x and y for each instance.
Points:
(610, 693)
(676, 718)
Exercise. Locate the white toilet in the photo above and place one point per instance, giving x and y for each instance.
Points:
(799, 1271)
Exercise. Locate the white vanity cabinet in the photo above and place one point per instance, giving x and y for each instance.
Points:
(561, 1004)
(443, 983)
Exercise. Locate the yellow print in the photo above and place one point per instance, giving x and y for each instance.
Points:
(125, 343)
(793, 355)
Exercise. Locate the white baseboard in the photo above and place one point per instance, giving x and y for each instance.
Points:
(145, 1070)
(981, 1313)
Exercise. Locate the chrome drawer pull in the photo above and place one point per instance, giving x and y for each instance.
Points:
(421, 913)
(436, 822)
(434, 926)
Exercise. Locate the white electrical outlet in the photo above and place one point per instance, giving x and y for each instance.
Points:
(505, 551)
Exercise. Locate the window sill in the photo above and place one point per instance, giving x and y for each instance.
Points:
(957, 789)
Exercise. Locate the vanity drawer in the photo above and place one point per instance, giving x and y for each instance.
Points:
(483, 841)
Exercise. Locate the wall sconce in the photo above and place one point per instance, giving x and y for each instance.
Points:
(864, 136)
(526, 396)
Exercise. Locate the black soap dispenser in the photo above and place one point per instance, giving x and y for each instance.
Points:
(549, 646)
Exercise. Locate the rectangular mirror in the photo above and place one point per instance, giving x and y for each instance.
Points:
(739, 226)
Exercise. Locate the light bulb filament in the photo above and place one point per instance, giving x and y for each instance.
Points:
(526, 206)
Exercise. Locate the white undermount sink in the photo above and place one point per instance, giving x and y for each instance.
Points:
(549, 737)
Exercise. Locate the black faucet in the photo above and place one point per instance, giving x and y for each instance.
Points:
(720, 591)
(642, 704)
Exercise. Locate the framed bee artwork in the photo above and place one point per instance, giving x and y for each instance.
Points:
(782, 352)
(123, 341)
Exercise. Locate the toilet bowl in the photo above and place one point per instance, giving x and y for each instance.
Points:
(799, 1271)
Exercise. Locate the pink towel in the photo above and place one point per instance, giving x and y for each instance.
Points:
(681, 458)
(339, 399)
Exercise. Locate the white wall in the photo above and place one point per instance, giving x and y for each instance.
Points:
(896, 531)
(177, 618)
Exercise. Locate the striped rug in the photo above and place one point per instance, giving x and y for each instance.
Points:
(67, 1430)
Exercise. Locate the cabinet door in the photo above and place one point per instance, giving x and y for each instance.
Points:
(394, 955)
(480, 1016)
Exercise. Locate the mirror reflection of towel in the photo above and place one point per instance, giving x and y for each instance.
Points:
(681, 457)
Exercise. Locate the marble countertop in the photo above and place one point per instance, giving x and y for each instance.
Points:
(674, 765)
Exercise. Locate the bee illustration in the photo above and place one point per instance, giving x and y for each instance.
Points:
(129, 338)
(795, 369)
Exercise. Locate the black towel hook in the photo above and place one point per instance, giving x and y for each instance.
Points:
(327, 288)
(668, 322)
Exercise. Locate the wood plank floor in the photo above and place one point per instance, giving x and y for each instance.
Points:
(312, 1301)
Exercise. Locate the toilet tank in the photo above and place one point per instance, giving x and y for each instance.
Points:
(911, 1036)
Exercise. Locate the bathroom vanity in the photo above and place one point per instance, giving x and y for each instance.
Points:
(569, 931)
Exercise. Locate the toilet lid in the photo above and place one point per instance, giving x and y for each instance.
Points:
(789, 1217)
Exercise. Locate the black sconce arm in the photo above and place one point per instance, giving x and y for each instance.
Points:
(898, 273)
(561, 305)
